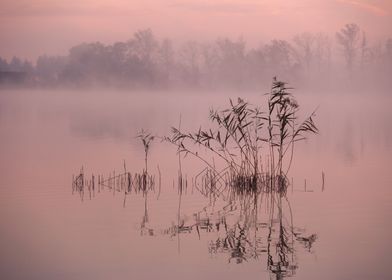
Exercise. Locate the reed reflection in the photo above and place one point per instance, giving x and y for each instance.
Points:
(250, 226)
(239, 226)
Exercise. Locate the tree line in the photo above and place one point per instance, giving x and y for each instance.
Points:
(144, 61)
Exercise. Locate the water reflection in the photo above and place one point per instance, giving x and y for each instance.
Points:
(240, 232)
(239, 226)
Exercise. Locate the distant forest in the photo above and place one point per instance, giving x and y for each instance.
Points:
(308, 59)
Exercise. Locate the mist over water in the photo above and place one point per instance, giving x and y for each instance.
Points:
(47, 136)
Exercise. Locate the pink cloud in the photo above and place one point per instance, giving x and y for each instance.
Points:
(371, 8)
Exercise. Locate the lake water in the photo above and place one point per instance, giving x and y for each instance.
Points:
(342, 231)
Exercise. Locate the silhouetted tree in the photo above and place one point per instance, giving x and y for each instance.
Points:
(305, 44)
(166, 60)
(15, 65)
(231, 61)
(281, 58)
(364, 49)
(190, 62)
(49, 69)
(210, 61)
(3, 64)
(386, 62)
(256, 67)
(87, 65)
(348, 38)
(143, 53)
(144, 45)
(323, 51)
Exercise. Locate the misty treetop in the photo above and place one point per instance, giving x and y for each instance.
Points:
(145, 61)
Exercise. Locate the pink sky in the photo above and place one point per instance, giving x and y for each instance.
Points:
(29, 28)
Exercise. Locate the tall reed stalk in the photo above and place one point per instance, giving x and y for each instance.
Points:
(146, 139)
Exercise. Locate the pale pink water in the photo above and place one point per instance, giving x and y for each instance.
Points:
(48, 233)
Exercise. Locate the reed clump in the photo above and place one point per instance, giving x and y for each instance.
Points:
(124, 182)
(244, 136)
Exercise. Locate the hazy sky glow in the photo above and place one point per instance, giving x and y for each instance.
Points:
(29, 28)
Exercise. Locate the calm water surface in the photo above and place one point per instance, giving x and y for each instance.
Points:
(48, 233)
